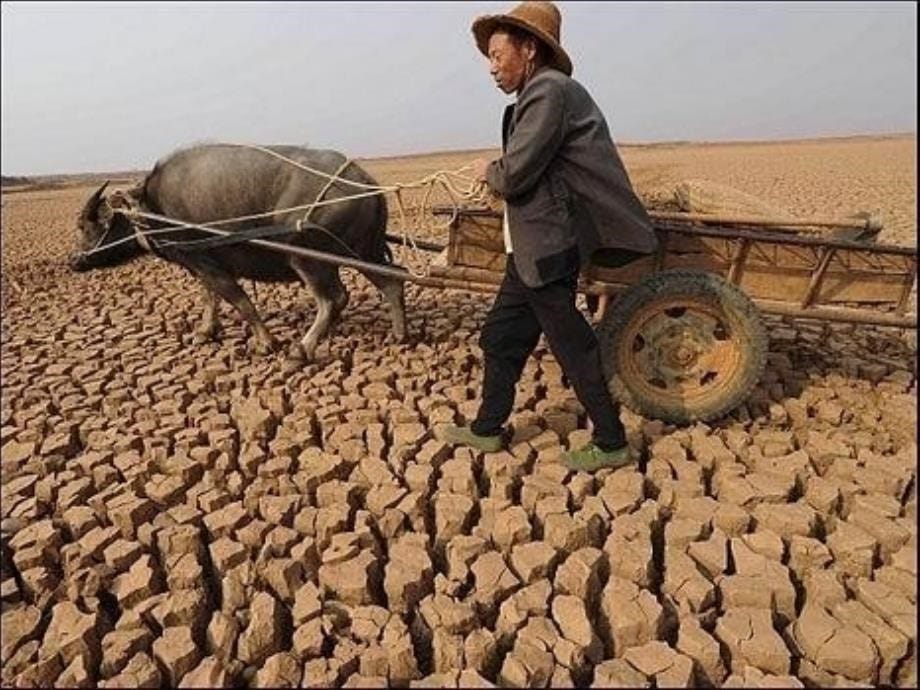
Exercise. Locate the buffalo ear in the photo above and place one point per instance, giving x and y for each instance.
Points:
(118, 200)
(130, 198)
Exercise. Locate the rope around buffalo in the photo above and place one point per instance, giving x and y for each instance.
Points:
(459, 186)
(473, 191)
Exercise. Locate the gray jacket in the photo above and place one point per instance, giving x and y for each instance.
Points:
(568, 196)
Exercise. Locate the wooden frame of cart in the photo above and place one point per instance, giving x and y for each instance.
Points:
(683, 338)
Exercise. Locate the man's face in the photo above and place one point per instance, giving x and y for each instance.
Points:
(508, 62)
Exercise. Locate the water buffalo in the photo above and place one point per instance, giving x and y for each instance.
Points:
(212, 182)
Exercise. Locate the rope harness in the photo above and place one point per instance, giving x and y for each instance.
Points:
(319, 197)
(459, 187)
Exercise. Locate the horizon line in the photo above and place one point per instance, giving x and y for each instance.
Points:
(649, 143)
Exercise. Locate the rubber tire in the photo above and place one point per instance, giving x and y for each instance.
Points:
(746, 324)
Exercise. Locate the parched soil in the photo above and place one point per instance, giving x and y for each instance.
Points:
(178, 513)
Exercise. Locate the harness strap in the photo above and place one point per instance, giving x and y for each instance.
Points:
(329, 183)
(237, 237)
(141, 236)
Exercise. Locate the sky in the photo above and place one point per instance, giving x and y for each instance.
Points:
(94, 87)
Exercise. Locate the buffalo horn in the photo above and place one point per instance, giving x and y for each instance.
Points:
(90, 209)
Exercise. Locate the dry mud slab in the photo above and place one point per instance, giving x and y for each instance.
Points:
(188, 515)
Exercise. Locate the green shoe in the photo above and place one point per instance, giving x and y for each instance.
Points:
(463, 435)
(591, 458)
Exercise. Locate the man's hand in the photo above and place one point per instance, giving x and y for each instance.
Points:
(480, 165)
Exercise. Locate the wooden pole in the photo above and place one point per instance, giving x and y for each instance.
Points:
(817, 277)
(480, 280)
(334, 259)
(838, 314)
(738, 258)
(858, 224)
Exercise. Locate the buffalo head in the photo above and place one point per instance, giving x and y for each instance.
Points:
(101, 223)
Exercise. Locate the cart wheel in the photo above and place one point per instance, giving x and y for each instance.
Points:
(682, 346)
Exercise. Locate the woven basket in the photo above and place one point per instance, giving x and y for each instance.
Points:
(703, 196)
(713, 199)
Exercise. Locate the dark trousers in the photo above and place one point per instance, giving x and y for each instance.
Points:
(510, 334)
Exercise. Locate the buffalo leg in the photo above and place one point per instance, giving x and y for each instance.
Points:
(339, 297)
(394, 292)
(323, 280)
(227, 288)
(210, 325)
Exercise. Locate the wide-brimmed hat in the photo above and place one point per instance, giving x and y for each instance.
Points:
(542, 19)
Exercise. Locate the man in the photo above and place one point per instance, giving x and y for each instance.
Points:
(568, 201)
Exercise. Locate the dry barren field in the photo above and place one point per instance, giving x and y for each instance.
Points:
(182, 514)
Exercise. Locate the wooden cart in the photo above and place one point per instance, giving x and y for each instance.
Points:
(683, 338)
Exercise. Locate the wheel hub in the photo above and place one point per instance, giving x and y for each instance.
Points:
(677, 351)
(684, 355)
(682, 349)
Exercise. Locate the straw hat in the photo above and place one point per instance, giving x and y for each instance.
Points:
(542, 19)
